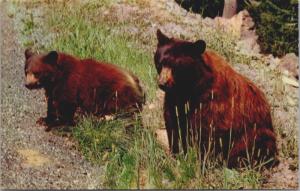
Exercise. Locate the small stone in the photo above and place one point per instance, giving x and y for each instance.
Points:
(151, 106)
(291, 101)
(290, 63)
(108, 117)
(290, 81)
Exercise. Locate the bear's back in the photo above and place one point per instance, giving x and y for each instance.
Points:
(237, 95)
(102, 84)
(109, 74)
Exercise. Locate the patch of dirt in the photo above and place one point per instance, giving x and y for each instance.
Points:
(33, 158)
(281, 177)
(30, 157)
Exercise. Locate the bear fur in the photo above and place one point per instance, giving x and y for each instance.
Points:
(70, 83)
(207, 101)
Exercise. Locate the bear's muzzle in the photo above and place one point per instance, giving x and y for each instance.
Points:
(165, 79)
(32, 82)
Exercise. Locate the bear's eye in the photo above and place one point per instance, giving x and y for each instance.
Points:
(37, 74)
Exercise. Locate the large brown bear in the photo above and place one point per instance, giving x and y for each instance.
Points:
(211, 103)
(70, 83)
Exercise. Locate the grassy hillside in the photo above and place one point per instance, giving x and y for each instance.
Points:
(124, 34)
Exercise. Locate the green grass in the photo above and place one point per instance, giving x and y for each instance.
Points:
(97, 40)
(97, 138)
(133, 158)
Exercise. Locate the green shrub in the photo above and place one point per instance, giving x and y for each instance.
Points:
(207, 8)
(276, 25)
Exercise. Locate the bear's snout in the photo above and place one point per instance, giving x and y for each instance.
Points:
(32, 86)
(165, 79)
(32, 82)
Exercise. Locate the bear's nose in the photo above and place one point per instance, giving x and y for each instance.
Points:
(162, 82)
(29, 86)
(165, 79)
(163, 87)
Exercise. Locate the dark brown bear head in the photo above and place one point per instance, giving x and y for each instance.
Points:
(179, 63)
(40, 69)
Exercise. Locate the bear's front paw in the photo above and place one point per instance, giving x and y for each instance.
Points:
(45, 121)
(42, 121)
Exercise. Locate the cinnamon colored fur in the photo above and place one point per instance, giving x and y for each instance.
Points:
(207, 101)
(70, 83)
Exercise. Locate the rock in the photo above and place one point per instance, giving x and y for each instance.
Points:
(248, 38)
(289, 63)
(248, 46)
(241, 26)
(174, 29)
(109, 117)
(151, 106)
(291, 101)
(232, 25)
(290, 81)
(273, 62)
(162, 138)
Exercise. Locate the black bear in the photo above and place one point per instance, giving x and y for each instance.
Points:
(207, 101)
(70, 83)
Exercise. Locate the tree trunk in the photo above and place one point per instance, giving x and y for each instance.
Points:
(230, 8)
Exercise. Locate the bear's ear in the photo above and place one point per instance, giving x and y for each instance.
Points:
(51, 57)
(28, 53)
(199, 46)
(162, 38)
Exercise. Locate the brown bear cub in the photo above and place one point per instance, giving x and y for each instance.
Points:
(94, 87)
(206, 101)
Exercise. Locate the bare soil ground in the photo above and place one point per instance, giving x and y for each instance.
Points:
(30, 157)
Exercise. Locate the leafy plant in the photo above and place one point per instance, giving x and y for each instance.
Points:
(276, 25)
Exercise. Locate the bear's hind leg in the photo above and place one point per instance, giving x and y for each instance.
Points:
(258, 145)
(266, 147)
